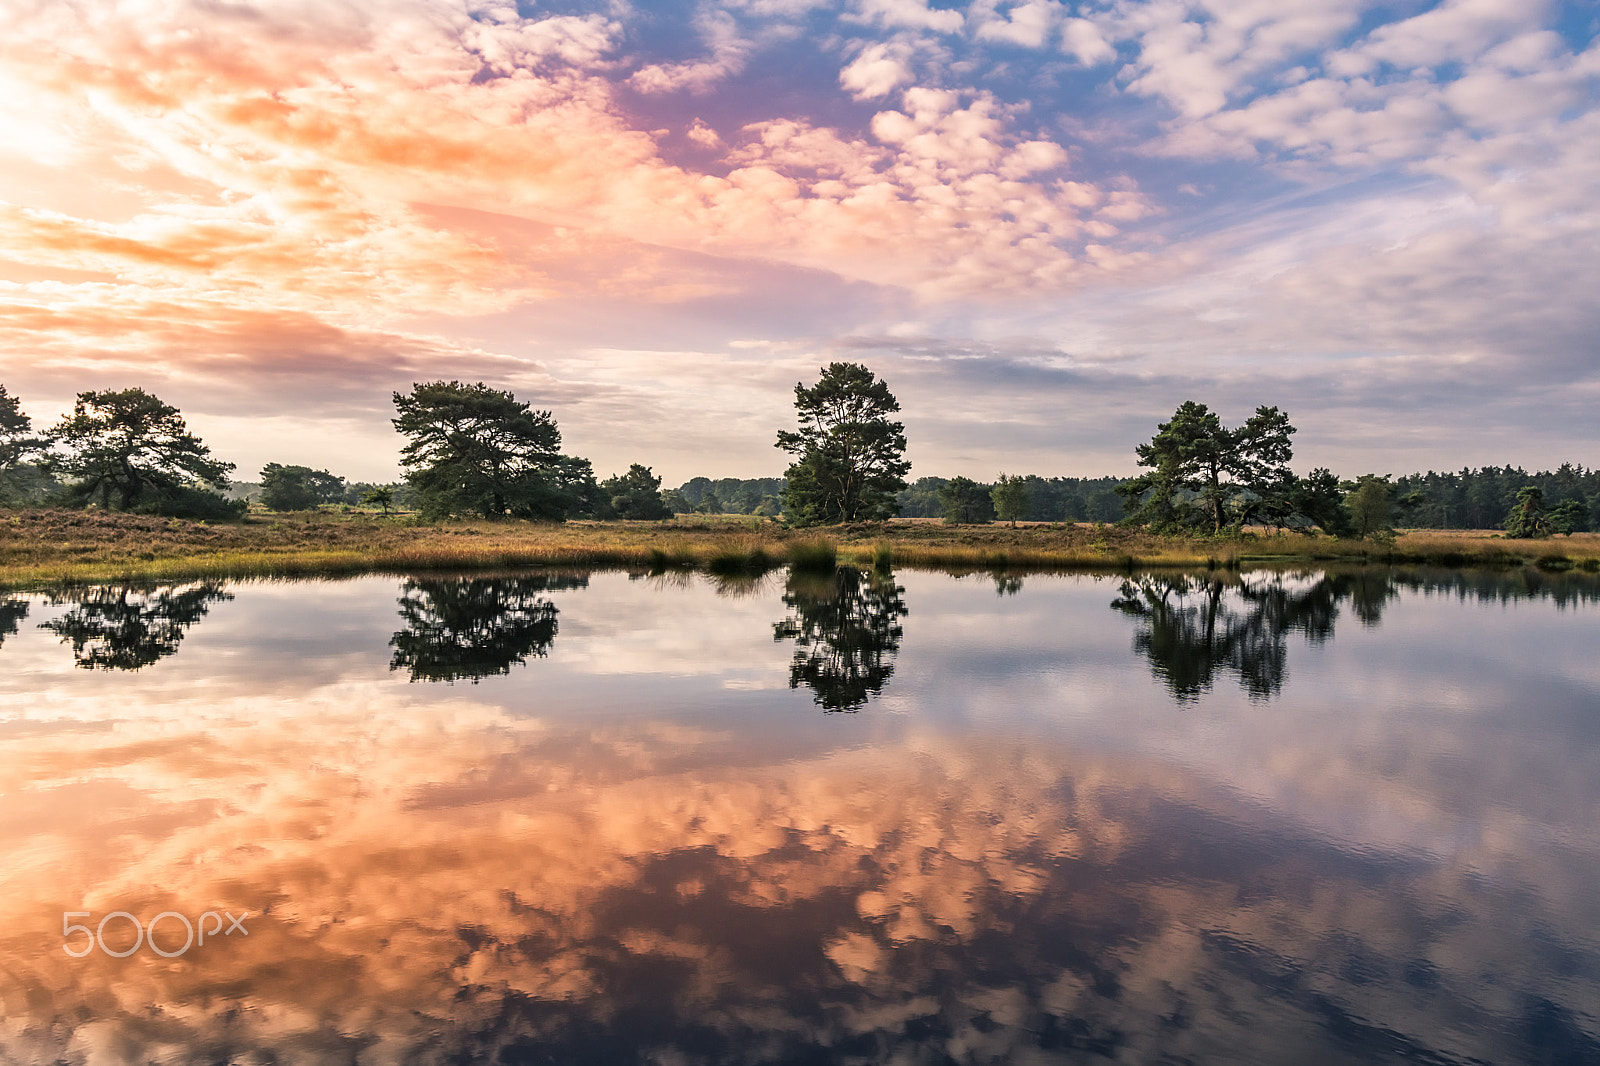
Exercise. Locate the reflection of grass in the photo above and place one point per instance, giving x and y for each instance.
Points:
(52, 547)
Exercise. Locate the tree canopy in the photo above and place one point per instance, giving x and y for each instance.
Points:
(636, 494)
(131, 451)
(17, 443)
(477, 450)
(1010, 496)
(1202, 473)
(1370, 502)
(849, 452)
(298, 488)
(1531, 519)
(965, 502)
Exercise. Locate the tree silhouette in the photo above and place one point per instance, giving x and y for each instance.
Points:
(130, 626)
(468, 628)
(847, 631)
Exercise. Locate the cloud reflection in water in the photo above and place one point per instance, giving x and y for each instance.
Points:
(437, 879)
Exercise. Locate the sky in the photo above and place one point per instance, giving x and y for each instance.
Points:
(1045, 224)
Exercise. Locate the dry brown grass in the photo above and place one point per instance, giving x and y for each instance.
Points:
(44, 547)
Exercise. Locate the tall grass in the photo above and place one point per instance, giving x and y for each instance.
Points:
(739, 556)
(814, 556)
(40, 548)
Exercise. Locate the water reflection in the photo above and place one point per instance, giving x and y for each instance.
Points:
(466, 628)
(1006, 583)
(129, 626)
(846, 629)
(12, 612)
(452, 876)
(1193, 626)
(956, 899)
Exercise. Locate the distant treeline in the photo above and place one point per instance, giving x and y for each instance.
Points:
(728, 495)
(347, 492)
(1056, 499)
(1480, 499)
(1469, 499)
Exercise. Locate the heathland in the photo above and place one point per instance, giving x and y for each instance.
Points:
(45, 547)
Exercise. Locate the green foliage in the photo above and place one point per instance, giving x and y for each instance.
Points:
(381, 495)
(298, 488)
(128, 450)
(188, 501)
(966, 502)
(1056, 499)
(1370, 502)
(1202, 473)
(1320, 499)
(710, 503)
(476, 450)
(849, 463)
(21, 480)
(1569, 516)
(585, 497)
(1266, 487)
(753, 496)
(1010, 496)
(636, 494)
(1481, 498)
(1528, 519)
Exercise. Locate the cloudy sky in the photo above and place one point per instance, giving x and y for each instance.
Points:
(1045, 223)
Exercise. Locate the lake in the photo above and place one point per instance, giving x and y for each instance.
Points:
(565, 817)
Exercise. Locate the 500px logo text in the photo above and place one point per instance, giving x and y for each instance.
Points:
(97, 935)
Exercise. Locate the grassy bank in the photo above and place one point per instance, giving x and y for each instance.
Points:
(45, 547)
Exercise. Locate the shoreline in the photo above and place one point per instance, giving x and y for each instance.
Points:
(54, 548)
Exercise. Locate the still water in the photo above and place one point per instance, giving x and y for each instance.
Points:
(1276, 817)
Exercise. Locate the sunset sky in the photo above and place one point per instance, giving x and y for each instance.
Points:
(1045, 224)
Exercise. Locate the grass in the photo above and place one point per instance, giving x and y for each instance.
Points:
(54, 547)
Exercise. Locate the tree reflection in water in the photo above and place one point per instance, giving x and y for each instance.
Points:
(471, 627)
(12, 612)
(129, 626)
(1194, 626)
(846, 629)
(1006, 583)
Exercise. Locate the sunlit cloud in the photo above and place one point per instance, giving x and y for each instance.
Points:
(1171, 187)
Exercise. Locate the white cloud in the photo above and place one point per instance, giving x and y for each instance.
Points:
(509, 43)
(1196, 58)
(1083, 41)
(1455, 30)
(877, 71)
(704, 135)
(908, 14)
(1029, 23)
